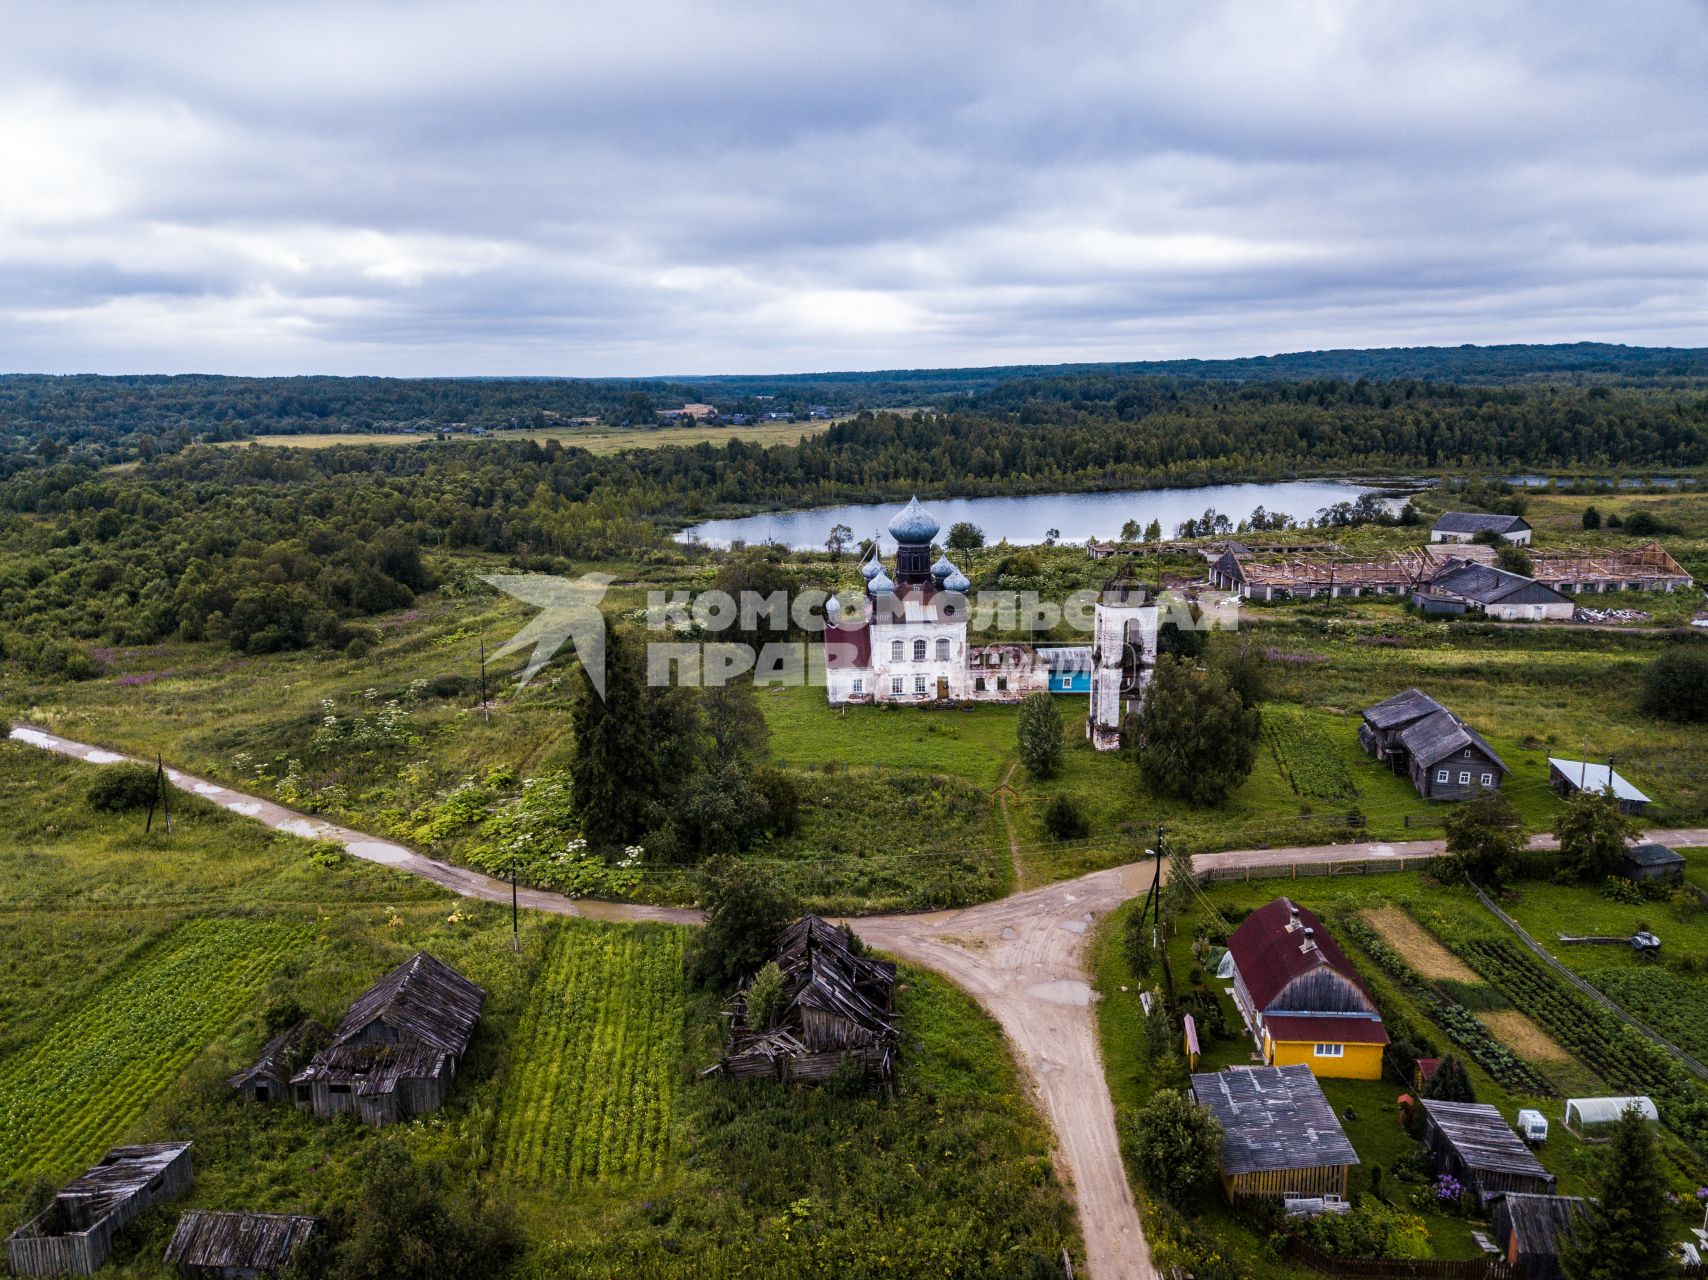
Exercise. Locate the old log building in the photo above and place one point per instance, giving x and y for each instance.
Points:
(237, 1246)
(74, 1234)
(268, 1078)
(837, 1008)
(396, 1052)
(1470, 1141)
(1445, 758)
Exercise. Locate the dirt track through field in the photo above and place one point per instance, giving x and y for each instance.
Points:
(1023, 958)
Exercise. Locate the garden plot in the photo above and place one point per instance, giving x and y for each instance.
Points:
(589, 1097)
(1517, 1032)
(1419, 947)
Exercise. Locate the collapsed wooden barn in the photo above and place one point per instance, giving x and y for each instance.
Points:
(396, 1052)
(74, 1234)
(837, 1007)
(268, 1078)
(237, 1246)
(1530, 1230)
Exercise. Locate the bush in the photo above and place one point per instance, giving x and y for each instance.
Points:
(1064, 819)
(120, 788)
(1370, 1230)
(1174, 1142)
(1039, 729)
(745, 911)
(765, 996)
(1675, 687)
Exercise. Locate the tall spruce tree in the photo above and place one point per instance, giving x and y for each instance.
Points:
(1197, 740)
(1040, 733)
(1450, 1083)
(614, 775)
(1625, 1236)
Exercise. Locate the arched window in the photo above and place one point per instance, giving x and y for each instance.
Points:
(942, 651)
(895, 650)
(919, 651)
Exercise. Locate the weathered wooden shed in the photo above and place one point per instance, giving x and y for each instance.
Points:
(74, 1234)
(268, 1078)
(1279, 1135)
(237, 1246)
(837, 1007)
(1470, 1141)
(1531, 1229)
(396, 1052)
(1651, 861)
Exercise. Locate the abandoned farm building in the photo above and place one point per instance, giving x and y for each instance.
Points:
(1446, 759)
(1464, 526)
(1569, 777)
(1297, 989)
(396, 1052)
(837, 1007)
(268, 1078)
(1531, 1229)
(1293, 573)
(1651, 861)
(1279, 1135)
(1482, 588)
(1470, 1141)
(1645, 568)
(237, 1246)
(74, 1234)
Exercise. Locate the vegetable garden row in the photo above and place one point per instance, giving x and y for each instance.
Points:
(1306, 756)
(71, 1093)
(594, 1063)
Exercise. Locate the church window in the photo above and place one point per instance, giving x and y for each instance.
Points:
(895, 685)
(919, 651)
(1002, 682)
(895, 650)
(919, 684)
(978, 685)
(859, 685)
(942, 651)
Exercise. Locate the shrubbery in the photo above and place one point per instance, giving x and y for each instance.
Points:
(119, 788)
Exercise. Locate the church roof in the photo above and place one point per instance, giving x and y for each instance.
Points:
(957, 582)
(913, 524)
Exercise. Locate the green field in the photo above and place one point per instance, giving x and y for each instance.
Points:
(578, 1103)
(595, 439)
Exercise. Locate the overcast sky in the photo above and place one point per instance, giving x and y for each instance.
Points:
(655, 188)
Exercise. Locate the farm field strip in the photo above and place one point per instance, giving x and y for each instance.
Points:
(78, 1088)
(1307, 758)
(590, 1095)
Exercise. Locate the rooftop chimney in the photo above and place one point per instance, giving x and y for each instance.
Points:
(1292, 918)
(1310, 940)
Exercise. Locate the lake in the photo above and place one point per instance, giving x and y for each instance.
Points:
(1025, 520)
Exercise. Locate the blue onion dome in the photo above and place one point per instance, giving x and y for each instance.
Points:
(913, 524)
(832, 610)
(880, 583)
(958, 583)
(942, 569)
(872, 568)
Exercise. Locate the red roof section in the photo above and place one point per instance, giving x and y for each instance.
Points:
(1297, 1028)
(1268, 956)
(848, 646)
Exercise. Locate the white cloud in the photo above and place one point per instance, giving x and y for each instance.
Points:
(669, 187)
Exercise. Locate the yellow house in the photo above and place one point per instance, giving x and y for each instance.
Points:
(1299, 992)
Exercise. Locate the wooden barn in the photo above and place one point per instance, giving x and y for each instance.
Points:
(1652, 861)
(1445, 758)
(396, 1052)
(237, 1246)
(74, 1234)
(1470, 1141)
(1530, 1230)
(1568, 777)
(837, 1007)
(1296, 987)
(268, 1078)
(1279, 1135)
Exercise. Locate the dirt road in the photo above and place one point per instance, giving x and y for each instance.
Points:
(1023, 958)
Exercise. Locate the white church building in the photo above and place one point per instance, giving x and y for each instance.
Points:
(906, 641)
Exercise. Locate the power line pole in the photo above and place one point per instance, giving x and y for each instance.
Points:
(485, 707)
(515, 927)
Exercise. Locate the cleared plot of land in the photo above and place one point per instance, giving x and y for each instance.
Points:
(590, 1096)
(1418, 946)
(1515, 1030)
(89, 1079)
(599, 440)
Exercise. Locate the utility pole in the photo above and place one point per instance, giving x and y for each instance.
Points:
(1155, 894)
(515, 926)
(485, 707)
(161, 791)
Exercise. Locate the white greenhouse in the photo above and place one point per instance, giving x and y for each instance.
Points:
(1585, 1116)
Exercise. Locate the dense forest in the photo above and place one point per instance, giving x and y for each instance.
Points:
(138, 416)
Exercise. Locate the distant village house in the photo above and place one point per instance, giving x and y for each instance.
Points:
(1464, 526)
(1470, 1141)
(1445, 758)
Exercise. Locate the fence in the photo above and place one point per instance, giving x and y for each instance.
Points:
(1401, 1268)
(1689, 1063)
(1300, 870)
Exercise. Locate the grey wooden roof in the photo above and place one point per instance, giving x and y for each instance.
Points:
(1483, 1139)
(422, 998)
(1273, 1118)
(1443, 734)
(1413, 704)
(1539, 1222)
(247, 1241)
(373, 1069)
(1650, 854)
(121, 1174)
(1478, 522)
(1488, 585)
(279, 1056)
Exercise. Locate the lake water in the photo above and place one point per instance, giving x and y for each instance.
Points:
(1026, 520)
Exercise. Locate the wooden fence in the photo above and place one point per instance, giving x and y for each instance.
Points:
(1366, 866)
(1401, 1268)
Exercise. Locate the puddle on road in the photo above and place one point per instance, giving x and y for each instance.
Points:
(248, 810)
(103, 757)
(1064, 992)
(1008, 935)
(378, 851)
(1072, 926)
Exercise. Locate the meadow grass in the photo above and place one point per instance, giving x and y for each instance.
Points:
(595, 439)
